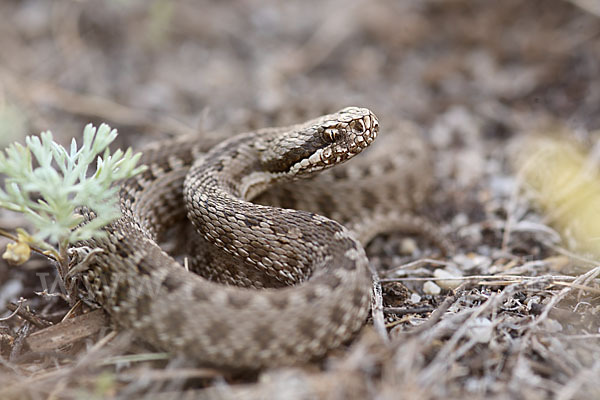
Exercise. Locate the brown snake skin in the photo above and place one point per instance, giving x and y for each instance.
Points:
(312, 271)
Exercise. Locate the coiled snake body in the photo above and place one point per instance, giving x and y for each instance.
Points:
(312, 271)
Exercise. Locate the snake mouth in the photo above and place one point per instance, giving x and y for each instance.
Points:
(335, 139)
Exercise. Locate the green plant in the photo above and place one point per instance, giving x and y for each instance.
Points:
(47, 184)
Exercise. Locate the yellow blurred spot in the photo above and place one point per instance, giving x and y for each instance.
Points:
(566, 185)
(17, 253)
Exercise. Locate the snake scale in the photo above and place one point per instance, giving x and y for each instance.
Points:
(312, 272)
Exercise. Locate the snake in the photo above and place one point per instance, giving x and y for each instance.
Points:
(268, 285)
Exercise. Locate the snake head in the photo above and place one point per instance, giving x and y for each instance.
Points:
(321, 143)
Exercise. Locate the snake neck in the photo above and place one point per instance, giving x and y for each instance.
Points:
(289, 245)
(217, 193)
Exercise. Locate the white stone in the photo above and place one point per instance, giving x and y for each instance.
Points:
(480, 330)
(408, 246)
(431, 288)
(446, 284)
(415, 298)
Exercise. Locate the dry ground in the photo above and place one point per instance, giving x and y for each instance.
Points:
(474, 75)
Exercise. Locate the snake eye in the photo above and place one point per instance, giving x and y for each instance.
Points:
(331, 134)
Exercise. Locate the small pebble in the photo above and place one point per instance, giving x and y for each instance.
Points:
(408, 246)
(415, 298)
(431, 288)
(460, 219)
(446, 284)
(480, 330)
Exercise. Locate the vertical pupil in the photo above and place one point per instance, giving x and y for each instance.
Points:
(330, 134)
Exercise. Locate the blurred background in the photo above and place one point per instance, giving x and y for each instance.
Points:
(164, 67)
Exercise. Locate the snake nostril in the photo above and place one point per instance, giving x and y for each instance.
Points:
(357, 126)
